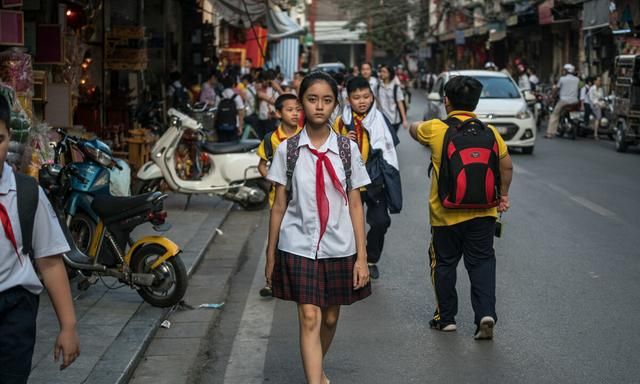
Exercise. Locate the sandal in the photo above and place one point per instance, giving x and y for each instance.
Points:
(548, 136)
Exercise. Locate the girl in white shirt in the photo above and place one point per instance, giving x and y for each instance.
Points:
(595, 98)
(316, 254)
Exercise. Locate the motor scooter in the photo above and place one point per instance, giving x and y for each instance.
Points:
(151, 265)
(231, 172)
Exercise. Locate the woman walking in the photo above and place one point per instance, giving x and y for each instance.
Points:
(391, 99)
(596, 99)
(316, 255)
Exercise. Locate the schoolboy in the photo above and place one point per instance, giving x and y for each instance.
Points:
(19, 284)
(458, 232)
(287, 111)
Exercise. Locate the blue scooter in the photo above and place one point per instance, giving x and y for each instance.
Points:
(92, 178)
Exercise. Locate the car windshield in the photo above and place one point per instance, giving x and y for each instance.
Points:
(498, 88)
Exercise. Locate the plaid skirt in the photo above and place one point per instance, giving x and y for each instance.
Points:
(322, 282)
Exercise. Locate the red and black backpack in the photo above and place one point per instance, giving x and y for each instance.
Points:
(469, 176)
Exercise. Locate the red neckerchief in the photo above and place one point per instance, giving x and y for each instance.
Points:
(8, 230)
(359, 128)
(321, 194)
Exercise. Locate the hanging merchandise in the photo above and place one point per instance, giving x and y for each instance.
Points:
(16, 69)
(20, 124)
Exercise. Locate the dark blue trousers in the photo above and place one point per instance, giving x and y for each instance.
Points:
(472, 239)
(18, 312)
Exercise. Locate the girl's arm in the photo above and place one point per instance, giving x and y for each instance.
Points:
(277, 214)
(403, 114)
(356, 211)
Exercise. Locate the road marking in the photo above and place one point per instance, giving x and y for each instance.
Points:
(249, 350)
(584, 202)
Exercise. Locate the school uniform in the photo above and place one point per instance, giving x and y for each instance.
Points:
(459, 231)
(279, 136)
(388, 96)
(375, 195)
(316, 245)
(19, 283)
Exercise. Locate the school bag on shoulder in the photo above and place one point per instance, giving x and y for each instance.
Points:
(395, 98)
(469, 176)
(226, 115)
(27, 194)
(293, 153)
(268, 145)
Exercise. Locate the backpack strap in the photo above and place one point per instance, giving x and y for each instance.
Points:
(268, 145)
(450, 122)
(293, 153)
(344, 150)
(28, 196)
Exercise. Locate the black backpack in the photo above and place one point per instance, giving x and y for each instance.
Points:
(469, 176)
(226, 116)
(268, 145)
(27, 194)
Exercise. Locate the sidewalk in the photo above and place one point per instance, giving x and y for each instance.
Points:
(115, 326)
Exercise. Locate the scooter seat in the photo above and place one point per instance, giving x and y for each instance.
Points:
(230, 147)
(110, 206)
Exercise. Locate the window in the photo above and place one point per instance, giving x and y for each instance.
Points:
(498, 88)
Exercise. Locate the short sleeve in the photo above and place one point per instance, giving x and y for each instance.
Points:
(359, 174)
(239, 103)
(425, 133)
(399, 94)
(278, 170)
(48, 239)
(261, 152)
(503, 151)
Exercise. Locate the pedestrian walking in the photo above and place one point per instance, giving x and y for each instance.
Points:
(30, 233)
(567, 90)
(316, 254)
(366, 70)
(523, 78)
(267, 96)
(534, 80)
(361, 122)
(177, 93)
(229, 120)
(390, 98)
(464, 203)
(596, 98)
(288, 111)
(208, 94)
(586, 103)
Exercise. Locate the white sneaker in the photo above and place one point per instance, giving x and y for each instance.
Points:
(485, 329)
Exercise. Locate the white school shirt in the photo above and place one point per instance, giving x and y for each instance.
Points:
(300, 229)
(387, 102)
(48, 239)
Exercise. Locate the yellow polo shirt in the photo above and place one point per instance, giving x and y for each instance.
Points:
(276, 139)
(431, 134)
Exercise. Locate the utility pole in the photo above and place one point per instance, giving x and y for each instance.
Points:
(313, 11)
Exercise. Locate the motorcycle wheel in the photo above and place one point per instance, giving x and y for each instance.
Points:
(171, 276)
(82, 228)
(574, 131)
(247, 206)
(144, 186)
(621, 143)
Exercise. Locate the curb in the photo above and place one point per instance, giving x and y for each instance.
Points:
(143, 325)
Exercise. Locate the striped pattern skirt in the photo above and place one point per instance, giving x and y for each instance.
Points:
(322, 282)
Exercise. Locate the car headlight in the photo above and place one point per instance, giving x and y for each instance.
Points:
(523, 114)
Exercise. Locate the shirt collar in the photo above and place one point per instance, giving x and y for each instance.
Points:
(331, 144)
(464, 113)
(7, 182)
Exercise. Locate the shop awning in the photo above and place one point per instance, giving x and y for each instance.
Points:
(595, 14)
(280, 25)
(243, 13)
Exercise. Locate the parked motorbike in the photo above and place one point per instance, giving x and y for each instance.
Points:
(232, 167)
(94, 170)
(149, 115)
(151, 265)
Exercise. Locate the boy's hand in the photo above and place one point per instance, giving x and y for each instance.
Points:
(68, 346)
(352, 136)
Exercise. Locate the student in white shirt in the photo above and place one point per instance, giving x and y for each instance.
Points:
(366, 70)
(596, 99)
(316, 255)
(390, 98)
(19, 284)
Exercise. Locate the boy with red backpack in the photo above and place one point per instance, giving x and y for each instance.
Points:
(472, 173)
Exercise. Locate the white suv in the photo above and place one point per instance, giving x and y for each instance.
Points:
(502, 104)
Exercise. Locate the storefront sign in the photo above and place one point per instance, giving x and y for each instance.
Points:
(11, 28)
(11, 3)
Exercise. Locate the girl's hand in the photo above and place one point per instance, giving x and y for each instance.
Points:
(268, 268)
(405, 124)
(360, 273)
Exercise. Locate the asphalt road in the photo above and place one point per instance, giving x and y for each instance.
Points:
(568, 288)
